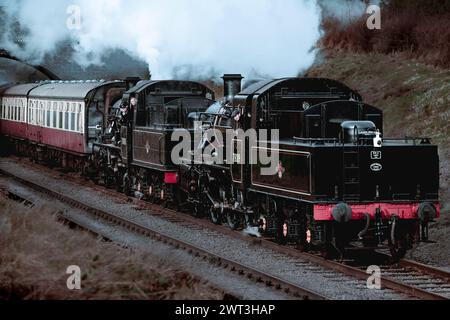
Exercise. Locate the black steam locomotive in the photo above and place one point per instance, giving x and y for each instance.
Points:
(337, 180)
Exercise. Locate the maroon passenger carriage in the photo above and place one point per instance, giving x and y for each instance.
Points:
(57, 121)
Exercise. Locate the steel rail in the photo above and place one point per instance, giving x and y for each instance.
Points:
(216, 259)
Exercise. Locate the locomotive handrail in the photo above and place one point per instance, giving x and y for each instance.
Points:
(317, 140)
(106, 145)
(406, 139)
(159, 146)
(423, 140)
(178, 125)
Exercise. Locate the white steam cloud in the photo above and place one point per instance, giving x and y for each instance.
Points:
(177, 38)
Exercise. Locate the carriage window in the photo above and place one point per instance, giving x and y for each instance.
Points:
(80, 122)
(23, 113)
(36, 114)
(60, 120)
(72, 121)
(48, 115)
(77, 117)
(66, 111)
(19, 110)
(73, 108)
(48, 119)
(66, 120)
(54, 110)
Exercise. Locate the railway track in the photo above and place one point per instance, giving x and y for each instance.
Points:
(407, 277)
(214, 258)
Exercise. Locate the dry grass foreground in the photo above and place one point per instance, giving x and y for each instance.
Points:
(35, 251)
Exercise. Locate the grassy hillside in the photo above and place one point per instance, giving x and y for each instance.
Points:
(415, 98)
(416, 28)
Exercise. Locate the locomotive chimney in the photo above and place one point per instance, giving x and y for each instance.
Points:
(231, 85)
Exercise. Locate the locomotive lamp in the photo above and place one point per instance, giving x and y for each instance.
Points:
(377, 141)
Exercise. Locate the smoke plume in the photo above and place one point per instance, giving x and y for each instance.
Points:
(177, 38)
